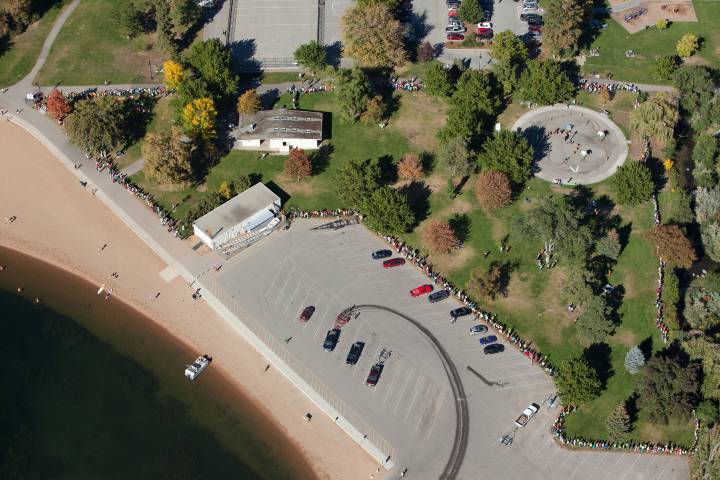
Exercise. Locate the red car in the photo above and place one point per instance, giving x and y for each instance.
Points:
(421, 290)
(393, 262)
(307, 313)
(483, 32)
(452, 12)
(455, 36)
(374, 374)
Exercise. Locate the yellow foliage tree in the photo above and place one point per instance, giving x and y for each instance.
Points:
(373, 36)
(199, 118)
(249, 102)
(174, 74)
(225, 190)
(687, 45)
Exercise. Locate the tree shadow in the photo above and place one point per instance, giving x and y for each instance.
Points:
(388, 169)
(428, 161)
(646, 347)
(138, 119)
(321, 157)
(538, 139)
(624, 232)
(418, 195)
(242, 54)
(460, 223)
(632, 409)
(417, 29)
(5, 44)
(334, 54)
(598, 357)
(269, 98)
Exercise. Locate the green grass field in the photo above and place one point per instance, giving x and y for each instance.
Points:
(652, 43)
(22, 51)
(92, 49)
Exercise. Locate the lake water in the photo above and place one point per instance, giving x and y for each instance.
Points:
(91, 389)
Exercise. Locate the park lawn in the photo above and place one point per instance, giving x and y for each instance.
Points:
(652, 43)
(92, 49)
(20, 54)
(162, 122)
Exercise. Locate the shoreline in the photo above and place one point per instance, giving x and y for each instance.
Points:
(31, 168)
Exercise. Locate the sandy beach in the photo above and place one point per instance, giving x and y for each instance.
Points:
(62, 223)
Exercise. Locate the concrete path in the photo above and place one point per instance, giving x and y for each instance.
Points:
(134, 167)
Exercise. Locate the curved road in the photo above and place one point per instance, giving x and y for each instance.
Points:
(462, 416)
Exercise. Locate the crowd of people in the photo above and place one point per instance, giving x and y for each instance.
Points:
(410, 85)
(558, 430)
(595, 87)
(311, 88)
(117, 92)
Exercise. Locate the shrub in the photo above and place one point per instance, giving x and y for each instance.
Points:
(634, 360)
(410, 167)
(687, 45)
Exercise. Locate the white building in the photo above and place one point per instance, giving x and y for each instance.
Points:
(249, 211)
(280, 130)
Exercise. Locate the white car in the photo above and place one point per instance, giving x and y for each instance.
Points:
(485, 25)
(455, 29)
(527, 7)
(526, 415)
(477, 329)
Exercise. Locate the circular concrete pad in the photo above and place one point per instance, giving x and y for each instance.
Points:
(569, 146)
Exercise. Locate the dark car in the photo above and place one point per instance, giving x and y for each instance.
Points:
(393, 262)
(381, 254)
(307, 313)
(488, 340)
(534, 28)
(494, 348)
(354, 353)
(331, 339)
(438, 296)
(531, 17)
(374, 374)
(460, 312)
(455, 36)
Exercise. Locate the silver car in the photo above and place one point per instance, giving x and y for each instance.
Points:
(476, 329)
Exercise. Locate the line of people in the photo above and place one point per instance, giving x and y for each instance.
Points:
(412, 84)
(595, 87)
(117, 92)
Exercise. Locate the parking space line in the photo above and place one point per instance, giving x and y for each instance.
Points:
(632, 465)
(430, 393)
(292, 297)
(407, 382)
(352, 256)
(609, 470)
(287, 280)
(436, 415)
(321, 322)
(399, 366)
(603, 458)
(662, 472)
(302, 306)
(584, 459)
(421, 378)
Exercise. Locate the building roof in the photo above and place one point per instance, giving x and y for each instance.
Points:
(281, 123)
(236, 210)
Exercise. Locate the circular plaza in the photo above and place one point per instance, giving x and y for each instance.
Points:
(573, 145)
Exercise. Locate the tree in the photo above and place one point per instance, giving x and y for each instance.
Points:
(455, 155)
(485, 283)
(410, 167)
(131, 19)
(425, 52)
(705, 157)
(661, 24)
(493, 190)
(707, 204)
(57, 105)
(249, 103)
(698, 98)
(374, 110)
(705, 463)
(545, 82)
(471, 12)
(618, 424)
(672, 245)
(387, 211)
(97, 125)
(707, 412)
(595, 323)
(577, 381)
(17, 14)
(578, 288)
(191, 88)
(656, 118)
(668, 389)
(355, 182)
(472, 107)
(373, 36)
(225, 190)
(439, 236)
(174, 74)
(687, 45)
(510, 153)
(702, 349)
(166, 34)
(436, 80)
(353, 92)
(391, 4)
(710, 235)
(298, 164)
(665, 66)
(311, 55)
(507, 47)
(564, 22)
(199, 118)
(634, 360)
(168, 158)
(186, 12)
(242, 183)
(609, 246)
(632, 184)
(702, 308)
(212, 60)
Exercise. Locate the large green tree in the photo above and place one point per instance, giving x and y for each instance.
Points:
(698, 95)
(595, 323)
(473, 106)
(97, 125)
(656, 118)
(311, 55)
(705, 463)
(355, 182)
(510, 153)
(577, 381)
(564, 23)
(618, 424)
(168, 158)
(707, 352)
(632, 183)
(510, 55)
(353, 92)
(456, 157)
(545, 82)
(373, 36)
(470, 11)
(668, 389)
(212, 60)
(705, 157)
(387, 211)
(436, 80)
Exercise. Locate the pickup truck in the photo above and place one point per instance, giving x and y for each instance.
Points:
(526, 415)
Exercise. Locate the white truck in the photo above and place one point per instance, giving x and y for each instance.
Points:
(526, 415)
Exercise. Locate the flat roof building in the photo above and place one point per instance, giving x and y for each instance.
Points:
(248, 211)
(280, 130)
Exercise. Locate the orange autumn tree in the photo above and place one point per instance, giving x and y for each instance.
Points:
(298, 165)
(57, 105)
(672, 245)
(410, 167)
(493, 190)
(249, 102)
(440, 237)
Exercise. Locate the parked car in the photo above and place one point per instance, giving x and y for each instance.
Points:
(354, 354)
(452, 12)
(421, 290)
(485, 25)
(381, 254)
(455, 28)
(393, 262)
(527, 414)
(307, 313)
(455, 36)
(331, 339)
(494, 348)
(534, 28)
(530, 7)
(485, 33)
(438, 296)
(454, 20)
(374, 374)
(531, 17)
(476, 329)
(460, 312)
(488, 340)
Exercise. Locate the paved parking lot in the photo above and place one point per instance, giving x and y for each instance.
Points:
(413, 407)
